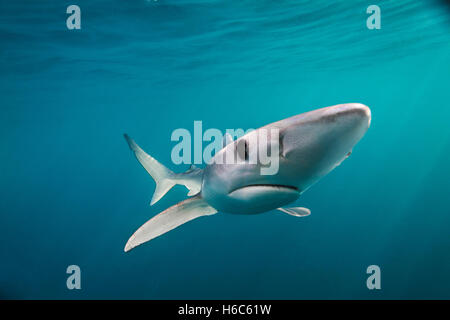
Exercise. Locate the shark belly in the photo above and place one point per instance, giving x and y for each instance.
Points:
(252, 199)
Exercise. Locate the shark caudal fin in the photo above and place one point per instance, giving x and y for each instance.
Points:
(169, 219)
(164, 178)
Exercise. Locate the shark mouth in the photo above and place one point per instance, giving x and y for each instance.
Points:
(271, 186)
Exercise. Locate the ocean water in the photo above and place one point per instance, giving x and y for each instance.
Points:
(72, 193)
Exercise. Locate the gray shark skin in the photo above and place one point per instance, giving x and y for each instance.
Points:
(310, 145)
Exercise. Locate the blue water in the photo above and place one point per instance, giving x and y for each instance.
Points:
(72, 193)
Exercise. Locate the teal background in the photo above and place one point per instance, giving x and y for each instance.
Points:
(72, 193)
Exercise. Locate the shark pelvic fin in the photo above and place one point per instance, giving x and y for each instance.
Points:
(164, 178)
(296, 211)
(169, 219)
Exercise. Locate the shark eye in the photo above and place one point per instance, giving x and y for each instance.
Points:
(242, 149)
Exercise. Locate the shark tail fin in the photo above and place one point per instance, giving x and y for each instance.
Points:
(164, 178)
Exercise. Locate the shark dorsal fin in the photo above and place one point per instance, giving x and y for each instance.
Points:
(227, 139)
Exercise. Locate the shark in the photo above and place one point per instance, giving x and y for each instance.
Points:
(310, 145)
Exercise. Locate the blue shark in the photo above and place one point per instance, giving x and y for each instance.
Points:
(310, 145)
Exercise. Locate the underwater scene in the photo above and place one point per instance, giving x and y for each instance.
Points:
(76, 76)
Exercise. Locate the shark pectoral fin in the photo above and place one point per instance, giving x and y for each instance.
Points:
(169, 219)
(296, 211)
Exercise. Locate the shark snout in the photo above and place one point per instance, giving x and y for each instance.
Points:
(325, 136)
(355, 114)
(347, 121)
(361, 112)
